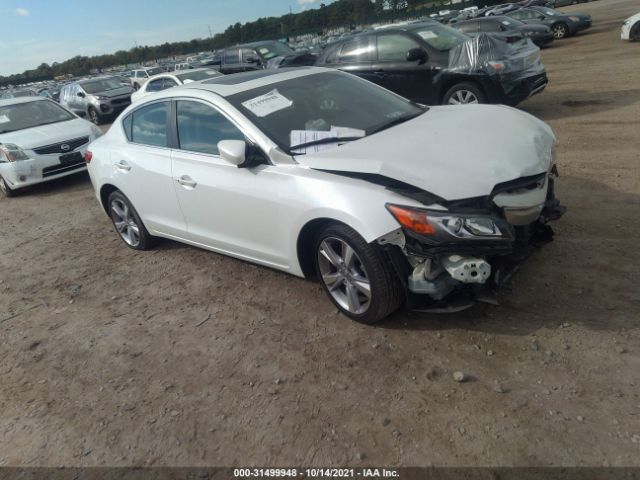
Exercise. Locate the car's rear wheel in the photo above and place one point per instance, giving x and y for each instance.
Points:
(634, 34)
(6, 190)
(128, 223)
(559, 30)
(464, 93)
(357, 276)
(93, 116)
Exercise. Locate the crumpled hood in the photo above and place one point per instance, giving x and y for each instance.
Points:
(35, 137)
(455, 152)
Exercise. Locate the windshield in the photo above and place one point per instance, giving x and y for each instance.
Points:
(441, 37)
(323, 105)
(197, 75)
(275, 49)
(20, 116)
(547, 11)
(101, 85)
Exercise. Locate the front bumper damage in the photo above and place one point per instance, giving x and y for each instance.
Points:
(441, 277)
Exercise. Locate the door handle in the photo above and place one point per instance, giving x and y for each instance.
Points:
(122, 165)
(187, 181)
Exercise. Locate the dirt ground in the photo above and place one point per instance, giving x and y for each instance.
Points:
(183, 357)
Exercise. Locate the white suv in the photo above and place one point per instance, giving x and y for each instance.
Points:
(140, 76)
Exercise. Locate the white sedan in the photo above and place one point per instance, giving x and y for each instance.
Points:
(170, 80)
(324, 175)
(631, 28)
(40, 141)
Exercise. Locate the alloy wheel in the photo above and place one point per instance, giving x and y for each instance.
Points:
(344, 275)
(125, 222)
(94, 116)
(461, 97)
(559, 31)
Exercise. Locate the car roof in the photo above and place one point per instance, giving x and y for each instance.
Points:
(227, 85)
(12, 101)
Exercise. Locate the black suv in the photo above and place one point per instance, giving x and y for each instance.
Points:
(413, 61)
(259, 55)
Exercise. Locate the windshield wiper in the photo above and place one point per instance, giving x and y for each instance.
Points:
(323, 141)
(396, 121)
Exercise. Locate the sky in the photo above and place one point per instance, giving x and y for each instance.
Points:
(46, 31)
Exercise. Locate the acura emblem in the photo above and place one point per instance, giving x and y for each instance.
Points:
(64, 147)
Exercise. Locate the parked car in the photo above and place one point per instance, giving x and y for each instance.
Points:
(96, 98)
(40, 141)
(501, 9)
(536, 3)
(541, 35)
(140, 76)
(260, 55)
(562, 25)
(631, 28)
(19, 92)
(170, 80)
(318, 173)
(182, 66)
(415, 61)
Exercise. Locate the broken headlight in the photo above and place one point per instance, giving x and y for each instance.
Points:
(445, 226)
(10, 152)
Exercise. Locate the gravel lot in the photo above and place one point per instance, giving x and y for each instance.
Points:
(183, 357)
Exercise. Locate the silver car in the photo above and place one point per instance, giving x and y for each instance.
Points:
(96, 98)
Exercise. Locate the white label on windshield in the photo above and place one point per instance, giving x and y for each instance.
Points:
(263, 50)
(267, 104)
(343, 132)
(505, 22)
(4, 119)
(427, 34)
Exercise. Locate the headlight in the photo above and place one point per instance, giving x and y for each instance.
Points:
(12, 153)
(444, 226)
(496, 66)
(574, 19)
(101, 97)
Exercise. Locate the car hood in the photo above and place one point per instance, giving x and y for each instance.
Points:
(35, 137)
(116, 92)
(454, 152)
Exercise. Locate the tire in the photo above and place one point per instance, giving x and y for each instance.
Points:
(127, 223)
(634, 33)
(560, 30)
(341, 272)
(94, 117)
(136, 87)
(460, 92)
(6, 190)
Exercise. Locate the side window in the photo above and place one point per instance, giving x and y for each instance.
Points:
(469, 27)
(126, 125)
(356, 50)
(394, 47)
(231, 56)
(489, 26)
(155, 85)
(201, 127)
(149, 125)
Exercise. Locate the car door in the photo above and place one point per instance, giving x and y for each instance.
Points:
(142, 169)
(250, 60)
(356, 56)
(229, 209)
(411, 79)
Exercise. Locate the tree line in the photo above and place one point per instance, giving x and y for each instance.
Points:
(341, 13)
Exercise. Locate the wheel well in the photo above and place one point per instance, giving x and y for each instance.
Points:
(105, 191)
(456, 81)
(305, 245)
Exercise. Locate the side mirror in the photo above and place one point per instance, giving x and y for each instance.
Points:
(233, 151)
(417, 54)
(81, 94)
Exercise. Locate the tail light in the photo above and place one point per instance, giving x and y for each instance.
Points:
(88, 156)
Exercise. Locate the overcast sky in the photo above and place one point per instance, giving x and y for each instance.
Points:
(37, 31)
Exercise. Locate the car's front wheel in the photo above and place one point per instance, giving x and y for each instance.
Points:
(357, 276)
(464, 93)
(6, 190)
(634, 34)
(128, 223)
(93, 116)
(559, 30)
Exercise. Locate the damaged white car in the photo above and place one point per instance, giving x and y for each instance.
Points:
(324, 175)
(40, 141)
